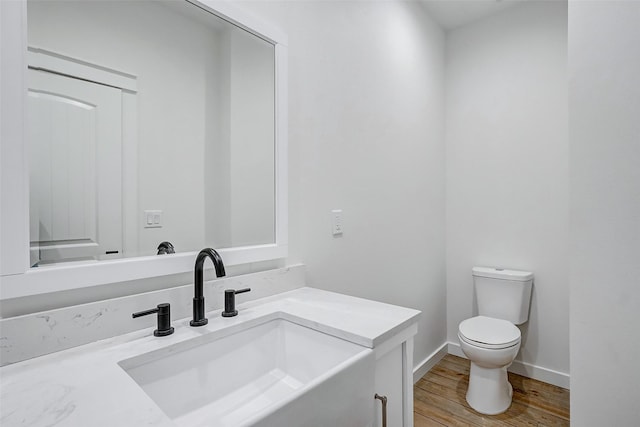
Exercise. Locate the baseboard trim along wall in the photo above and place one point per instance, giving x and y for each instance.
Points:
(528, 370)
(429, 362)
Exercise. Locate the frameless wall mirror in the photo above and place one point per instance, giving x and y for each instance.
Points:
(144, 122)
(148, 121)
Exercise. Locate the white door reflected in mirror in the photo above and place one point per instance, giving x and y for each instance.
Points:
(75, 135)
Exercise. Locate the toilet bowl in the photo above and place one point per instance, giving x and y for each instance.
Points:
(492, 339)
(491, 345)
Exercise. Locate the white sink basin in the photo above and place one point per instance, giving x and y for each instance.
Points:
(277, 373)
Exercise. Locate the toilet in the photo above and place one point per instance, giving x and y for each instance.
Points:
(491, 340)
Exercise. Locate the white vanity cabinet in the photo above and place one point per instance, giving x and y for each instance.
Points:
(394, 379)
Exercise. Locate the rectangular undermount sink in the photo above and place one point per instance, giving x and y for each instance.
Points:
(276, 373)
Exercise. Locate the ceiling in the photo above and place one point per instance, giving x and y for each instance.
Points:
(452, 14)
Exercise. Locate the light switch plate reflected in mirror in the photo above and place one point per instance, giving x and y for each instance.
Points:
(152, 219)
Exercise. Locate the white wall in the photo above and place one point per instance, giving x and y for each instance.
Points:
(217, 149)
(252, 159)
(506, 160)
(239, 160)
(366, 136)
(604, 102)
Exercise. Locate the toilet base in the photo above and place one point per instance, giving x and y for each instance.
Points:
(489, 390)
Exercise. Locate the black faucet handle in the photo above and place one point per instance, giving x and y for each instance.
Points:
(230, 301)
(164, 319)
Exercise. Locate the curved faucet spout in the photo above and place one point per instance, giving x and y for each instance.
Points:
(198, 282)
(199, 268)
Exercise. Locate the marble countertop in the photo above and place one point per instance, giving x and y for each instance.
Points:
(85, 386)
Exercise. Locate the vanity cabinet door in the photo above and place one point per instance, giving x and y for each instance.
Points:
(388, 382)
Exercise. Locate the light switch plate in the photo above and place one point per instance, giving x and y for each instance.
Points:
(336, 222)
(152, 219)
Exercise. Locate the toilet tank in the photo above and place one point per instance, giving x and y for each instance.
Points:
(503, 294)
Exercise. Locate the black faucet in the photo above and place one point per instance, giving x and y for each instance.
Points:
(166, 248)
(198, 299)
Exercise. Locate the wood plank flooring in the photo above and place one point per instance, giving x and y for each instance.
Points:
(439, 400)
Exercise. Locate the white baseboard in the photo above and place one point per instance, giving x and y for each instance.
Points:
(528, 370)
(428, 363)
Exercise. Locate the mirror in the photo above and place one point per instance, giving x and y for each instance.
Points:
(148, 122)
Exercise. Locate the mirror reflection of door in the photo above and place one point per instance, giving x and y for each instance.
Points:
(75, 146)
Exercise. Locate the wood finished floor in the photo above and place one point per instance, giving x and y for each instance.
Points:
(439, 400)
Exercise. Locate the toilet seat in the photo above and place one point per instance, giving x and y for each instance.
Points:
(490, 333)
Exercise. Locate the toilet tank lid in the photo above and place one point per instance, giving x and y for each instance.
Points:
(501, 273)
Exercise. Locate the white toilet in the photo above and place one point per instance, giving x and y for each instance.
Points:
(492, 339)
